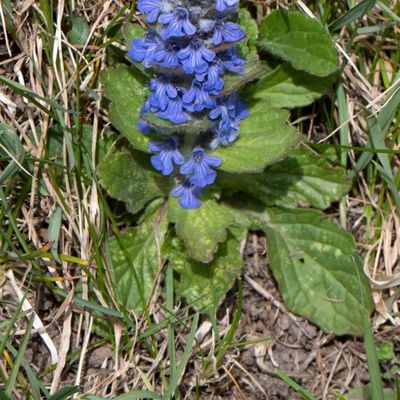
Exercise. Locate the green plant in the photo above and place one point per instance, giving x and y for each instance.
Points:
(262, 181)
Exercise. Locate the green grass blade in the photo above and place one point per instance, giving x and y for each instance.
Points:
(64, 392)
(294, 385)
(92, 306)
(11, 145)
(185, 358)
(137, 395)
(386, 10)
(353, 14)
(32, 96)
(140, 394)
(170, 329)
(10, 325)
(376, 136)
(3, 396)
(232, 329)
(391, 106)
(18, 360)
(252, 341)
(384, 121)
(373, 363)
(35, 385)
(54, 232)
(344, 141)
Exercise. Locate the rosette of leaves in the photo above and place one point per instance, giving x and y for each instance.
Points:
(264, 183)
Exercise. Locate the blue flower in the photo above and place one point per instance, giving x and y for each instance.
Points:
(213, 82)
(146, 49)
(175, 109)
(199, 164)
(163, 90)
(151, 8)
(168, 154)
(231, 61)
(225, 135)
(222, 5)
(151, 105)
(206, 25)
(168, 55)
(230, 110)
(188, 192)
(197, 98)
(143, 127)
(226, 32)
(195, 57)
(178, 24)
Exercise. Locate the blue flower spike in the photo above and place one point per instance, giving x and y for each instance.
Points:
(190, 45)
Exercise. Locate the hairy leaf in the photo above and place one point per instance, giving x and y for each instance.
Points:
(247, 47)
(201, 229)
(135, 261)
(233, 82)
(127, 94)
(319, 273)
(204, 286)
(289, 88)
(264, 138)
(132, 31)
(302, 179)
(300, 40)
(192, 126)
(80, 30)
(128, 177)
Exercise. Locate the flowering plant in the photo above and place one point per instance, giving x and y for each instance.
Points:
(209, 155)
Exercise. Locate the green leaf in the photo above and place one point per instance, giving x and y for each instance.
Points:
(10, 147)
(79, 33)
(303, 179)
(386, 351)
(127, 177)
(201, 229)
(319, 273)
(233, 82)
(289, 88)
(127, 94)
(192, 126)
(300, 40)
(247, 47)
(204, 286)
(132, 31)
(135, 261)
(264, 138)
